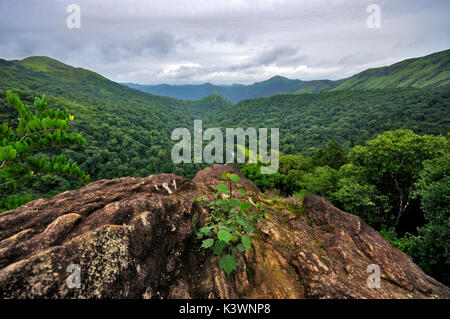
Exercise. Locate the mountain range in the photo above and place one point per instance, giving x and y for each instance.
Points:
(129, 131)
(425, 72)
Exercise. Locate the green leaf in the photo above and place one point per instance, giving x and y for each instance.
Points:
(222, 188)
(206, 230)
(219, 247)
(224, 235)
(235, 178)
(242, 192)
(244, 206)
(246, 241)
(207, 243)
(227, 263)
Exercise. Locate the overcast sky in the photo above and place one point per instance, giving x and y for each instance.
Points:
(223, 41)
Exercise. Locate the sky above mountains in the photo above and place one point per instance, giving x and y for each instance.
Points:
(223, 41)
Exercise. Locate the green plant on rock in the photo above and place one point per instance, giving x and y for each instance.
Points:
(230, 223)
(39, 129)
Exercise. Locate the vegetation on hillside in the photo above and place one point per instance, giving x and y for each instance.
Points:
(38, 130)
(309, 121)
(398, 183)
(430, 71)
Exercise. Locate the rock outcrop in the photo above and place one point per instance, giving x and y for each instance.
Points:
(133, 238)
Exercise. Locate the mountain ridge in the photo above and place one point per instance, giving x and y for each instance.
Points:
(429, 71)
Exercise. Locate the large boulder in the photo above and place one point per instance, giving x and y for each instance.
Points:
(133, 238)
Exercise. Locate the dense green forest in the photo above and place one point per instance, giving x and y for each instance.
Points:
(382, 154)
(350, 117)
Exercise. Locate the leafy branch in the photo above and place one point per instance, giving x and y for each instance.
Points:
(38, 129)
(230, 225)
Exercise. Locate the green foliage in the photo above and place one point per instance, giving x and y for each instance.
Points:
(430, 249)
(401, 243)
(433, 189)
(294, 162)
(428, 71)
(321, 181)
(38, 129)
(13, 201)
(363, 200)
(231, 221)
(309, 121)
(393, 161)
(333, 156)
(264, 181)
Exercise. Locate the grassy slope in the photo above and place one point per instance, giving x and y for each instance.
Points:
(430, 71)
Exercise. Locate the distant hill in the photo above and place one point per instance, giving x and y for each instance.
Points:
(238, 92)
(426, 72)
(430, 71)
(50, 76)
(129, 131)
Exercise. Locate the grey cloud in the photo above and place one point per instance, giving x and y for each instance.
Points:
(277, 53)
(182, 41)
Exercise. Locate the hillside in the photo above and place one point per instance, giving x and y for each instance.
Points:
(431, 71)
(238, 92)
(351, 116)
(128, 131)
(425, 72)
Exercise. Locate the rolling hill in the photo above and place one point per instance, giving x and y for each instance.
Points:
(128, 131)
(426, 72)
(430, 71)
(238, 92)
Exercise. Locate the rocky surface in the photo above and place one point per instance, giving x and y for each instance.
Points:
(133, 238)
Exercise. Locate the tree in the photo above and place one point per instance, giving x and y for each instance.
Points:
(333, 156)
(433, 189)
(322, 181)
(358, 197)
(430, 249)
(393, 161)
(264, 181)
(294, 162)
(39, 129)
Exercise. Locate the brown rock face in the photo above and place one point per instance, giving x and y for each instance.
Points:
(133, 238)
